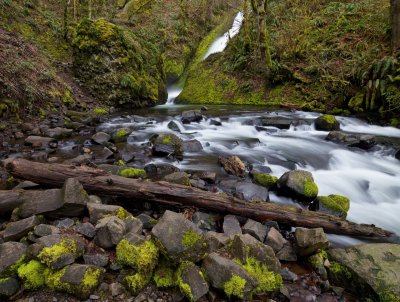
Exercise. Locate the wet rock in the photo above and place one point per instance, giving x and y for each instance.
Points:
(255, 229)
(363, 141)
(173, 126)
(8, 287)
(245, 246)
(397, 155)
(195, 286)
(10, 254)
(280, 123)
(327, 122)
(192, 146)
(158, 171)
(86, 229)
(275, 240)
(205, 221)
(198, 183)
(147, 221)
(181, 178)
(233, 165)
(40, 142)
(244, 190)
(298, 184)
(109, 231)
(216, 240)
(215, 123)
(309, 241)
(102, 155)
(58, 133)
(121, 135)
(336, 205)
(100, 260)
(368, 270)
(99, 211)
(17, 230)
(231, 226)
(317, 262)
(220, 271)
(101, 138)
(191, 116)
(180, 238)
(45, 230)
(167, 145)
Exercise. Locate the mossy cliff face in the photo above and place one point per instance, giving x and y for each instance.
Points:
(116, 66)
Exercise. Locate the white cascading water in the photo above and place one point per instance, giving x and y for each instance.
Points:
(218, 45)
(371, 179)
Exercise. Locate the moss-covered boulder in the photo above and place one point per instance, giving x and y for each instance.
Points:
(116, 66)
(167, 145)
(121, 135)
(371, 271)
(265, 180)
(12, 256)
(327, 122)
(33, 274)
(309, 241)
(298, 184)
(191, 282)
(333, 204)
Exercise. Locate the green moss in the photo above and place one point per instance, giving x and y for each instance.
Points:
(266, 180)
(135, 283)
(49, 255)
(120, 162)
(133, 173)
(121, 135)
(267, 281)
(143, 257)
(53, 280)
(387, 296)
(235, 287)
(99, 111)
(336, 203)
(329, 119)
(190, 238)
(310, 189)
(90, 281)
(67, 98)
(164, 277)
(167, 139)
(121, 213)
(32, 274)
(338, 269)
(184, 287)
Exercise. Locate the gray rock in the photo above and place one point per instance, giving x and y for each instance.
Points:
(275, 240)
(8, 287)
(101, 138)
(371, 271)
(86, 229)
(231, 226)
(45, 230)
(245, 246)
(27, 185)
(277, 122)
(99, 211)
(244, 190)
(192, 146)
(17, 230)
(191, 116)
(255, 229)
(181, 239)
(10, 254)
(58, 132)
(173, 126)
(133, 225)
(220, 270)
(167, 145)
(205, 221)
(288, 275)
(216, 240)
(287, 253)
(75, 198)
(96, 259)
(158, 171)
(109, 231)
(147, 221)
(116, 289)
(40, 142)
(209, 177)
(191, 275)
(309, 241)
(198, 183)
(298, 184)
(180, 178)
(64, 223)
(363, 141)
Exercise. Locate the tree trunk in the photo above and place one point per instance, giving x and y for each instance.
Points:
(99, 182)
(395, 22)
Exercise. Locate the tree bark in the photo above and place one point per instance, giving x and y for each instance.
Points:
(136, 190)
(395, 23)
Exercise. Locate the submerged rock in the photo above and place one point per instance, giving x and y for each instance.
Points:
(370, 270)
(327, 122)
(233, 165)
(397, 155)
(298, 184)
(192, 146)
(362, 141)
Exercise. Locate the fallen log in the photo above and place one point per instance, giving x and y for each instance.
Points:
(137, 190)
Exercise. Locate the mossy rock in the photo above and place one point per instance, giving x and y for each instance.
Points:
(167, 145)
(327, 122)
(265, 180)
(33, 274)
(333, 204)
(121, 135)
(298, 184)
(133, 173)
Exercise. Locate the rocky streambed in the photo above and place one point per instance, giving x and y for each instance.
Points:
(111, 248)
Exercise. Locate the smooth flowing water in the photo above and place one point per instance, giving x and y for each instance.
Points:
(371, 179)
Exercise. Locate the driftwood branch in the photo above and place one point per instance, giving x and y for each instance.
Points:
(136, 190)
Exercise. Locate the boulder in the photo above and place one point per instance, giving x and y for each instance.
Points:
(180, 238)
(275, 240)
(244, 190)
(215, 123)
(246, 246)
(209, 177)
(100, 260)
(40, 142)
(216, 240)
(58, 133)
(12, 255)
(326, 122)
(287, 253)
(86, 229)
(255, 229)
(333, 204)
(298, 184)
(18, 229)
(109, 231)
(192, 146)
(173, 126)
(121, 135)
(228, 276)
(75, 199)
(371, 271)
(191, 116)
(167, 145)
(362, 141)
(309, 241)
(180, 178)
(158, 171)
(191, 281)
(101, 138)
(98, 211)
(45, 230)
(8, 286)
(133, 225)
(233, 165)
(231, 226)
(147, 221)
(277, 122)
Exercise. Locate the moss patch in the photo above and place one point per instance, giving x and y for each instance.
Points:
(133, 173)
(235, 287)
(310, 189)
(164, 277)
(336, 203)
(340, 270)
(190, 238)
(266, 180)
(32, 274)
(143, 257)
(135, 283)
(49, 255)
